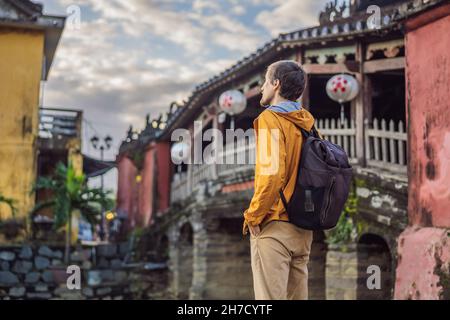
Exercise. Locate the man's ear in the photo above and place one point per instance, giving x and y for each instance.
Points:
(276, 84)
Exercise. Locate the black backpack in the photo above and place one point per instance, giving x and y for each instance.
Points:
(322, 186)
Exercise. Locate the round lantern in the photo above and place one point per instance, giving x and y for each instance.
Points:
(180, 152)
(342, 88)
(232, 102)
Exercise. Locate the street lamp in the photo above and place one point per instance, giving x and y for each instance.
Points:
(103, 145)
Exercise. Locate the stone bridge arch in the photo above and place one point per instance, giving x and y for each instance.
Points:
(374, 250)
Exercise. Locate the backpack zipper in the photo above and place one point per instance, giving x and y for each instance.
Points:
(328, 201)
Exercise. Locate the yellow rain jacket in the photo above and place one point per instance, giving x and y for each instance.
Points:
(266, 204)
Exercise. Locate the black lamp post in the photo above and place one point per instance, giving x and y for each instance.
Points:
(103, 145)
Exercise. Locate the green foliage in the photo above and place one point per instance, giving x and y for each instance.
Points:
(11, 203)
(70, 192)
(347, 228)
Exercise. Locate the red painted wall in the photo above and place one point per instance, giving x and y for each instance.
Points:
(428, 116)
(164, 167)
(146, 188)
(142, 200)
(424, 247)
(126, 184)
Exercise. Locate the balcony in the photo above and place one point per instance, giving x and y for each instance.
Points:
(58, 126)
(57, 123)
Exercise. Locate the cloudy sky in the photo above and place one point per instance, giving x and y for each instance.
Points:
(129, 58)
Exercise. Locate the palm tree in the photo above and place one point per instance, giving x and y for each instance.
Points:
(70, 193)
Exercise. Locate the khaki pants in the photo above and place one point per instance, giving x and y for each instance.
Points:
(279, 256)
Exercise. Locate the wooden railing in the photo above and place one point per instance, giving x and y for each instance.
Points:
(239, 158)
(343, 134)
(386, 146)
(202, 172)
(179, 189)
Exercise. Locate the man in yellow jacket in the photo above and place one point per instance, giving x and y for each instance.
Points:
(279, 249)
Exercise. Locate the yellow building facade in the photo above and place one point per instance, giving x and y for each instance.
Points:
(28, 41)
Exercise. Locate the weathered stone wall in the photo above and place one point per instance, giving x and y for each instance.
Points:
(215, 265)
(38, 272)
(227, 255)
(382, 201)
(341, 273)
(346, 272)
(181, 261)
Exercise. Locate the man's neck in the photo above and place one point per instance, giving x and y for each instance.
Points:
(277, 100)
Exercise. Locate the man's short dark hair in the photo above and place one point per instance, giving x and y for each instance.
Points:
(291, 76)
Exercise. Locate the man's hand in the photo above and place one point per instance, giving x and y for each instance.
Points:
(254, 230)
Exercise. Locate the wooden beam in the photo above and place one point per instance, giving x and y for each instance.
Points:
(332, 68)
(384, 65)
(304, 99)
(362, 105)
(305, 96)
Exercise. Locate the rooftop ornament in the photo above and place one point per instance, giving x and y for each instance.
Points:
(332, 12)
(129, 134)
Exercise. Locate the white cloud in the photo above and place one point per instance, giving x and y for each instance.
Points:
(200, 5)
(113, 68)
(290, 15)
(231, 34)
(238, 10)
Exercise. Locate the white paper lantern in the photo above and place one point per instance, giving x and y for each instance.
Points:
(342, 88)
(232, 102)
(180, 152)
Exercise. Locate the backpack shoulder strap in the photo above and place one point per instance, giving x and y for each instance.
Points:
(313, 132)
(283, 199)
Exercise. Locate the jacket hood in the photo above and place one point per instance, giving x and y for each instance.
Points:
(293, 112)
